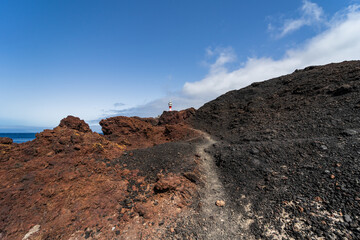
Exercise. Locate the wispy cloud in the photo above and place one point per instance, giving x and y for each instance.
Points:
(223, 57)
(310, 14)
(119, 104)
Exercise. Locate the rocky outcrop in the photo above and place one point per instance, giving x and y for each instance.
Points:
(175, 117)
(135, 132)
(75, 123)
(6, 140)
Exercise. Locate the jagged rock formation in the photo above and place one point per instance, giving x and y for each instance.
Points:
(75, 123)
(135, 132)
(176, 117)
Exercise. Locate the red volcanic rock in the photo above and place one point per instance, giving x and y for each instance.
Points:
(135, 132)
(5, 140)
(167, 183)
(144, 210)
(73, 183)
(75, 123)
(174, 117)
(153, 121)
(58, 178)
(124, 125)
(130, 131)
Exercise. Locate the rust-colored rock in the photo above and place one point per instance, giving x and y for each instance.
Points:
(168, 183)
(58, 181)
(5, 140)
(75, 123)
(175, 117)
(152, 121)
(135, 132)
(144, 210)
(70, 181)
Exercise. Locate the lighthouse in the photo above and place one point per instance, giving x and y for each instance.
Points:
(170, 106)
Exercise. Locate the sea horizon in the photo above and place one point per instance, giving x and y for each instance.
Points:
(19, 137)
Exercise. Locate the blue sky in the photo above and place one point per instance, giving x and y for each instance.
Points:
(95, 59)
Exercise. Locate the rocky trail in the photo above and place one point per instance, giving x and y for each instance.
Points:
(214, 216)
(219, 220)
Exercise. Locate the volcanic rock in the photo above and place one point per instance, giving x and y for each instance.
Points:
(33, 230)
(135, 132)
(175, 117)
(167, 183)
(220, 203)
(144, 210)
(5, 140)
(347, 218)
(350, 132)
(75, 183)
(75, 123)
(313, 116)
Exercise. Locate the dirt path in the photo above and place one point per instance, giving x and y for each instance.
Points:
(219, 222)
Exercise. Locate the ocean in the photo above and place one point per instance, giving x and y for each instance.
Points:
(19, 137)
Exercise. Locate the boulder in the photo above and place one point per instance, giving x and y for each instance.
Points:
(168, 183)
(75, 123)
(5, 140)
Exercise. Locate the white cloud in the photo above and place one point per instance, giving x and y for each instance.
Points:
(225, 55)
(312, 10)
(311, 14)
(339, 42)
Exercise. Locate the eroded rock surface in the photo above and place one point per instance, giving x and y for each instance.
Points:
(76, 184)
(175, 117)
(75, 123)
(135, 132)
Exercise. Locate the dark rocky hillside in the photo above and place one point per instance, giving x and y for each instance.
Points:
(289, 149)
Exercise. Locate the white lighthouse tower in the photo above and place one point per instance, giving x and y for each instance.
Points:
(170, 106)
